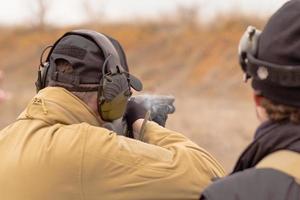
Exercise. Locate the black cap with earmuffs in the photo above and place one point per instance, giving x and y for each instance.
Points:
(99, 64)
(272, 58)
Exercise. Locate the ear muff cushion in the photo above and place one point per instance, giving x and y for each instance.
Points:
(42, 76)
(115, 109)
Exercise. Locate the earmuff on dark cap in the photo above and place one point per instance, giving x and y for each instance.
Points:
(271, 57)
(96, 60)
(284, 75)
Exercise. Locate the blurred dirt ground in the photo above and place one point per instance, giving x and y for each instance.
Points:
(195, 63)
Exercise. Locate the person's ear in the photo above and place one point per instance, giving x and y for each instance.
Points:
(257, 99)
(260, 110)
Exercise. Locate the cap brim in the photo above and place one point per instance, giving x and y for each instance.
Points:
(135, 83)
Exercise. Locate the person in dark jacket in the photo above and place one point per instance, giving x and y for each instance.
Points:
(270, 166)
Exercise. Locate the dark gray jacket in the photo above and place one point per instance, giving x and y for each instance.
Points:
(254, 184)
(267, 170)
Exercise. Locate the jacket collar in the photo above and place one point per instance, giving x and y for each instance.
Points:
(57, 105)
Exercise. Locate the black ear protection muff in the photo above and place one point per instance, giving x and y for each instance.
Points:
(114, 87)
(286, 76)
(248, 46)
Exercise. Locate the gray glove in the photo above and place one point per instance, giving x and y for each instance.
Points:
(118, 126)
(160, 106)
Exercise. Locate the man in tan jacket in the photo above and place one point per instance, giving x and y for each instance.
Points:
(57, 149)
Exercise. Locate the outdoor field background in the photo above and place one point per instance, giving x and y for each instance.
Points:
(179, 53)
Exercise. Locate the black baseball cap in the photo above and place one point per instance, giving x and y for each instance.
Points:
(87, 59)
(279, 43)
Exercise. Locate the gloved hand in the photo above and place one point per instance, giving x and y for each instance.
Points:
(134, 111)
(160, 106)
(160, 112)
(118, 126)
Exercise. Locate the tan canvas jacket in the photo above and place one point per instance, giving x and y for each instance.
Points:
(56, 150)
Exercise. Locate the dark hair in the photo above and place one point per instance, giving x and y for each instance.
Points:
(278, 112)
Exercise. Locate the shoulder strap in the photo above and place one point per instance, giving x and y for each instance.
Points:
(285, 161)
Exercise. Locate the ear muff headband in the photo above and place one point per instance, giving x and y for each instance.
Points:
(109, 51)
(101, 40)
(286, 76)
